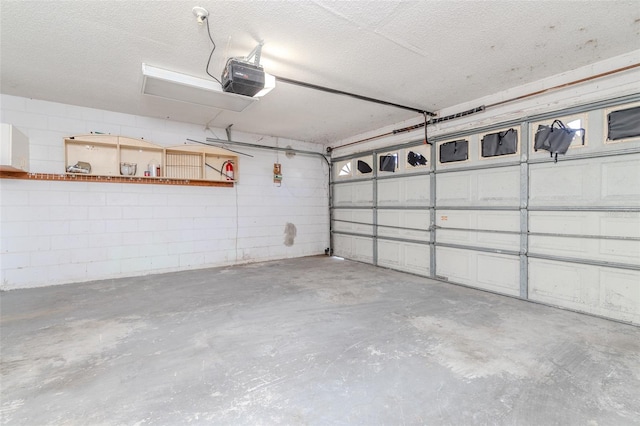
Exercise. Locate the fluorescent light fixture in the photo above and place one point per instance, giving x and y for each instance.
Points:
(269, 85)
(186, 88)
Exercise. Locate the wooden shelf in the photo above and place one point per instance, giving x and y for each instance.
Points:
(106, 153)
(101, 153)
(200, 162)
(78, 177)
(180, 164)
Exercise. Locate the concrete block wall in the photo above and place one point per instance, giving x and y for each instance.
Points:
(55, 232)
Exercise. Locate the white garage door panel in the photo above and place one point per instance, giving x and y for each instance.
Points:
(609, 224)
(498, 273)
(479, 219)
(407, 191)
(354, 248)
(620, 224)
(454, 189)
(609, 292)
(416, 221)
(363, 249)
(403, 233)
(572, 223)
(417, 190)
(563, 284)
(479, 239)
(499, 187)
(621, 180)
(362, 216)
(616, 251)
(454, 264)
(620, 292)
(608, 181)
(612, 224)
(353, 194)
(488, 271)
(342, 245)
(355, 215)
(403, 256)
(351, 227)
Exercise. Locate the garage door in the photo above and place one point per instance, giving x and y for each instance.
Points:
(486, 210)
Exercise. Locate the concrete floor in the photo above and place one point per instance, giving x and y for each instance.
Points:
(316, 341)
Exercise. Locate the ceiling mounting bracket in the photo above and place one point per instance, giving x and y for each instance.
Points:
(255, 54)
(200, 13)
(228, 130)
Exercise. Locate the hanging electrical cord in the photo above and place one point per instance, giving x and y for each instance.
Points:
(229, 177)
(212, 50)
(426, 139)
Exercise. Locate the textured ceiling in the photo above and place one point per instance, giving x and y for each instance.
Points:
(424, 54)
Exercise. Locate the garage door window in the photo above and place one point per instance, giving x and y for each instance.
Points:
(345, 169)
(388, 163)
(500, 143)
(623, 123)
(415, 159)
(577, 122)
(364, 167)
(454, 151)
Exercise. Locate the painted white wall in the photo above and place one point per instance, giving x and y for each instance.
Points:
(55, 232)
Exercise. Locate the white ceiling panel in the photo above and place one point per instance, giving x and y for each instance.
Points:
(423, 54)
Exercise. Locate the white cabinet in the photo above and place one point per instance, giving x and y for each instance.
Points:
(14, 149)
